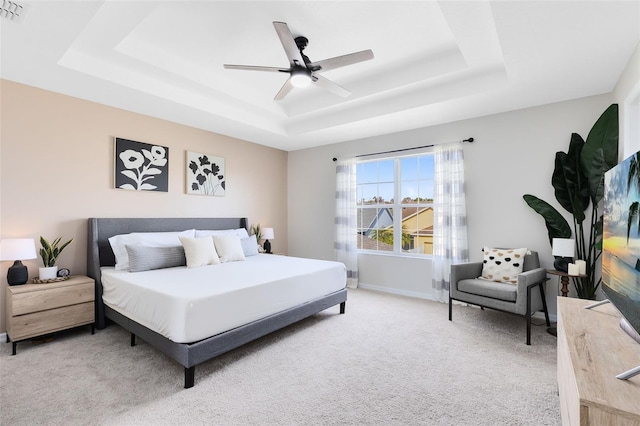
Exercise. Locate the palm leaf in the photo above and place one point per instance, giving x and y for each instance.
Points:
(634, 213)
(634, 172)
(557, 225)
(600, 152)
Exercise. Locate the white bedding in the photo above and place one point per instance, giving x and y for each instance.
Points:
(190, 304)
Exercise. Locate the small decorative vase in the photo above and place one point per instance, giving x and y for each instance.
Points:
(48, 273)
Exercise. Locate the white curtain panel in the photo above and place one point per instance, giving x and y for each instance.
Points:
(345, 241)
(449, 217)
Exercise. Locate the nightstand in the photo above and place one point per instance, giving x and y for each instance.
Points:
(37, 309)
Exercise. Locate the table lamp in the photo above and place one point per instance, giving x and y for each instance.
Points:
(267, 234)
(563, 249)
(17, 249)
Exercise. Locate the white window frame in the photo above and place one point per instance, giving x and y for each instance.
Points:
(396, 206)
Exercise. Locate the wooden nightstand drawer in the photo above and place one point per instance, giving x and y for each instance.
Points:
(36, 301)
(38, 323)
(37, 309)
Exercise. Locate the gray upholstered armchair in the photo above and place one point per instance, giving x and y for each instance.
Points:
(524, 298)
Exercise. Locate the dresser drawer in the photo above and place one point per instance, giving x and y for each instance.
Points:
(51, 298)
(49, 321)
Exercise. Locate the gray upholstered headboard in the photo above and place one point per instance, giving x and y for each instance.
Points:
(99, 251)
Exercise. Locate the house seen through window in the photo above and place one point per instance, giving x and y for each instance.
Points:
(395, 204)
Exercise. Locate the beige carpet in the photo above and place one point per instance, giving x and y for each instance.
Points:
(390, 360)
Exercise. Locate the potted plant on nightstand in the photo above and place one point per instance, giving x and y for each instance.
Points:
(49, 253)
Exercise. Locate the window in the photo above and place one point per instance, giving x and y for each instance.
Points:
(395, 204)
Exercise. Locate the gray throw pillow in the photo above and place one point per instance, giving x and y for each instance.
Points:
(146, 258)
(249, 245)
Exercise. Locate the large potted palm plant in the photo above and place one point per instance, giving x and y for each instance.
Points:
(578, 181)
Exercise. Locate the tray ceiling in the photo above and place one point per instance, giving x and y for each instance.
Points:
(435, 61)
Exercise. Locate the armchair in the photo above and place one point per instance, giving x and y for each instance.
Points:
(522, 298)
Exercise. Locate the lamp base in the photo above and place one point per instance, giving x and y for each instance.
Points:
(562, 264)
(267, 246)
(17, 274)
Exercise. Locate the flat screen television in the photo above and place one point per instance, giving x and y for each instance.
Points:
(621, 242)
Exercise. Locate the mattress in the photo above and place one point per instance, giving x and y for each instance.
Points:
(190, 304)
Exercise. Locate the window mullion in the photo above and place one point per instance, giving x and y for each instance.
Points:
(397, 209)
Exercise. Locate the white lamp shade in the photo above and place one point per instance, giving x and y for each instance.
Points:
(564, 247)
(267, 234)
(17, 249)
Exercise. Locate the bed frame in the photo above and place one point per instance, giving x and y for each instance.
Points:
(189, 355)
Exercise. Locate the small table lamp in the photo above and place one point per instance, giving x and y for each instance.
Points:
(563, 249)
(267, 234)
(17, 249)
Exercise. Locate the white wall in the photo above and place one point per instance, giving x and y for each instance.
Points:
(627, 95)
(513, 154)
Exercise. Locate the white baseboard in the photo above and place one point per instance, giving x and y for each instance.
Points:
(399, 292)
(428, 296)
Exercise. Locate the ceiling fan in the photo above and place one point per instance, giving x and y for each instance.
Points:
(302, 71)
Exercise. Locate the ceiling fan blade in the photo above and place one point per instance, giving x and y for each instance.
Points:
(289, 44)
(254, 68)
(284, 90)
(331, 86)
(344, 60)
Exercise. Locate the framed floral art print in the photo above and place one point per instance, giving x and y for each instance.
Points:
(205, 174)
(141, 166)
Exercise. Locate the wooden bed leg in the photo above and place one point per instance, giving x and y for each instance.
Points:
(343, 305)
(133, 339)
(189, 377)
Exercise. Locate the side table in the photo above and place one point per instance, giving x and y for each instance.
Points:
(564, 289)
(564, 280)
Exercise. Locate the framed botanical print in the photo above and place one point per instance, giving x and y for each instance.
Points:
(141, 166)
(205, 174)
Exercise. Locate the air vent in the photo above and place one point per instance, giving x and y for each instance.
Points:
(12, 11)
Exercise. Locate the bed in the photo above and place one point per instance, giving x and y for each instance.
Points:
(193, 337)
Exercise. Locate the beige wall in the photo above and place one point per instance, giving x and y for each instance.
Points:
(56, 170)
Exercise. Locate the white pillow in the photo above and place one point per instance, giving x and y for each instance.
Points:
(199, 251)
(240, 232)
(249, 245)
(228, 247)
(151, 239)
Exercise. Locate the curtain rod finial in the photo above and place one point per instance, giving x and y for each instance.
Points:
(470, 140)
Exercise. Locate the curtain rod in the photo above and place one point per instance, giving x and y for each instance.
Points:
(470, 140)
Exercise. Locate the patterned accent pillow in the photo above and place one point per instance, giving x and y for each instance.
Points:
(502, 265)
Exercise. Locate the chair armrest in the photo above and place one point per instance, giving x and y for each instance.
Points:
(525, 279)
(464, 271)
(528, 278)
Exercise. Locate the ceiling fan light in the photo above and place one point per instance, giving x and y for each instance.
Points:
(300, 80)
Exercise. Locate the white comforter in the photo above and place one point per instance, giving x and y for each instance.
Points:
(190, 304)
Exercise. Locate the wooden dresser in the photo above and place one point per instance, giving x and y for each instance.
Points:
(37, 309)
(592, 350)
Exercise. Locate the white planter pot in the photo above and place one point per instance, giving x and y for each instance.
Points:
(48, 273)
